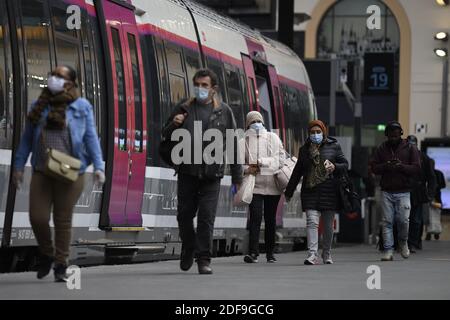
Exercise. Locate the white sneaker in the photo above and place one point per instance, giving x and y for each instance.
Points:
(404, 250)
(312, 259)
(326, 257)
(388, 256)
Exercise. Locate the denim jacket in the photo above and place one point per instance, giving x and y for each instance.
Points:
(83, 134)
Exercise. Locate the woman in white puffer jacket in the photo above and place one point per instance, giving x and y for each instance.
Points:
(264, 154)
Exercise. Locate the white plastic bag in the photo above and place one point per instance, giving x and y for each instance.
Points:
(435, 226)
(244, 195)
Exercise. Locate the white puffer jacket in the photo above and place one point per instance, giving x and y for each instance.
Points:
(266, 150)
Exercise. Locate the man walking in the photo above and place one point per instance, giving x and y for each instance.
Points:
(198, 181)
(422, 194)
(398, 163)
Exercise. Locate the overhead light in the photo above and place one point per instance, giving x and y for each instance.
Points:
(442, 2)
(443, 36)
(441, 52)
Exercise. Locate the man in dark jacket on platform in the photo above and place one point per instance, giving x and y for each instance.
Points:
(199, 180)
(422, 194)
(398, 163)
(320, 162)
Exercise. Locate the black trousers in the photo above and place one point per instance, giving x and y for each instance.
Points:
(267, 204)
(194, 195)
(415, 226)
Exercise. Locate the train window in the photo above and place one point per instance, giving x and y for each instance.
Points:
(137, 93)
(216, 66)
(6, 107)
(67, 42)
(35, 26)
(177, 88)
(164, 81)
(174, 59)
(176, 73)
(192, 65)
(118, 62)
(234, 95)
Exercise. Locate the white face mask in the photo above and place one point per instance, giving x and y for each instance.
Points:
(201, 94)
(257, 126)
(56, 84)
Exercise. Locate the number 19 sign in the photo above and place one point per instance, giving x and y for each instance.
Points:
(379, 73)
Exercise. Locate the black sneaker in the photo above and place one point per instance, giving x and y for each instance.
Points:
(271, 258)
(204, 266)
(60, 272)
(251, 258)
(436, 236)
(186, 259)
(44, 265)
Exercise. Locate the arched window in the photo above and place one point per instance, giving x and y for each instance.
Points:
(343, 31)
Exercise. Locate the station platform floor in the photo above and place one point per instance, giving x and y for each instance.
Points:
(425, 275)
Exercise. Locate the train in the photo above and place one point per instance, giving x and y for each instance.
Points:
(135, 60)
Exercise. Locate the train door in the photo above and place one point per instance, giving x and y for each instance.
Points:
(251, 82)
(277, 102)
(6, 117)
(128, 173)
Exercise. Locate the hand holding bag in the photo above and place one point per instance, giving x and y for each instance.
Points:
(61, 166)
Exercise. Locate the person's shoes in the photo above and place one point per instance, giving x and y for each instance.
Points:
(186, 259)
(412, 249)
(428, 237)
(204, 267)
(404, 250)
(326, 257)
(387, 256)
(311, 259)
(251, 258)
(60, 272)
(436, 236)
(271, 258)
(44, 265)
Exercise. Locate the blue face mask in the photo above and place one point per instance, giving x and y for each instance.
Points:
(257, 126)
(201, 94)
(316, 138)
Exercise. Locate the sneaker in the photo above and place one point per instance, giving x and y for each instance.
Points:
(436, 236)
(326, 257)
(251, 258)
(204, 266)
(387, 256)
(186, 259)
(311, 259)
(271, 258)
(44, 265)
(60, 272)
(404, 251)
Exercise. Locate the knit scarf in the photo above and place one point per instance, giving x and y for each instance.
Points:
(57, 103)
(317, 174)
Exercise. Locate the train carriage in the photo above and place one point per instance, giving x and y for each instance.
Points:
(135, 61)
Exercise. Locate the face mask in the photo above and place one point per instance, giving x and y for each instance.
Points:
(257, 126)
(201, 94)
(56, 84)
(316, 138)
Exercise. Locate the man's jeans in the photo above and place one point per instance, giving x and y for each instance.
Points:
(194, 195)
(312, 230)
(395, 206)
